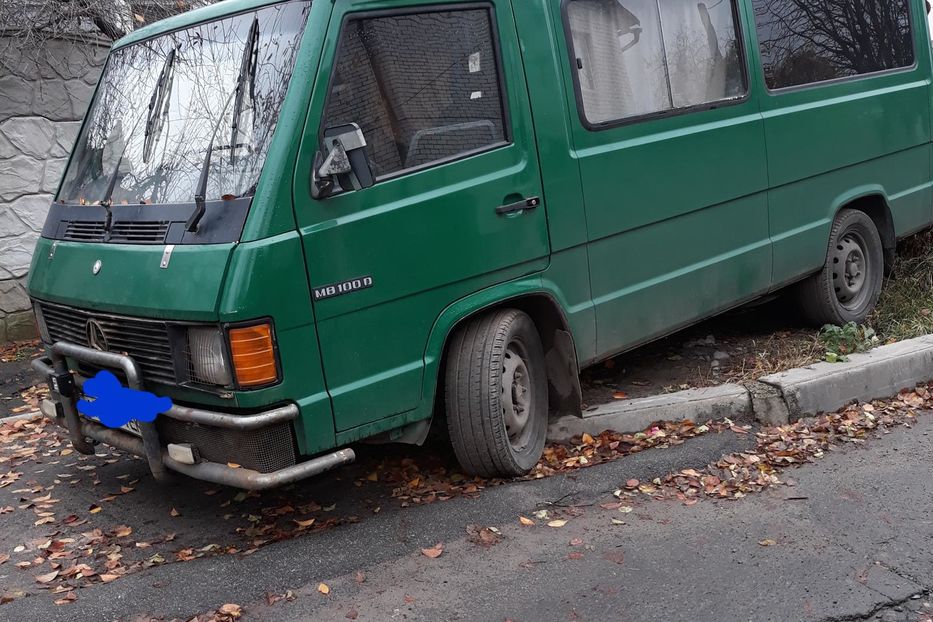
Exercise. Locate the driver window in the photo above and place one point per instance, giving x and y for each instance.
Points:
(423, 87)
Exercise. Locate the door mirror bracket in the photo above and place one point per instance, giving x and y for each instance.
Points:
(345, 164)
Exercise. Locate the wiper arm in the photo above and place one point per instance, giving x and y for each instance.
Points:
(247, 72)
(157, 110)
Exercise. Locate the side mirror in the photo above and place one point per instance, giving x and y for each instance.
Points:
(343, 164)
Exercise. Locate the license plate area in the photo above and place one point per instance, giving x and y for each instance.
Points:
(131, 426)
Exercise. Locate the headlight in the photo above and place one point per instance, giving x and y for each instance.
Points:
(207, 360)
(40, 323)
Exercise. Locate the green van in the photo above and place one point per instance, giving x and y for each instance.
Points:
(312, 223)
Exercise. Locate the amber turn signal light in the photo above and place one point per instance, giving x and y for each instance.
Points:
(253, 355)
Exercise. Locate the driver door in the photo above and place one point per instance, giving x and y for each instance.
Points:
(439, 93)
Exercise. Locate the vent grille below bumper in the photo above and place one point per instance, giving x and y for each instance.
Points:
(265, 450)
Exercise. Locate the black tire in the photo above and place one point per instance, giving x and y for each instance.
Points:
(480, 362)
(848, 286)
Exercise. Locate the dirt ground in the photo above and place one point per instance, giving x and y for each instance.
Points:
(738, 346)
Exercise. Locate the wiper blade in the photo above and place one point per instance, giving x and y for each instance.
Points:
(247, 72)
(107, 201)
(158, 104)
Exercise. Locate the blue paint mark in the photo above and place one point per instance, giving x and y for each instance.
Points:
(115, 405)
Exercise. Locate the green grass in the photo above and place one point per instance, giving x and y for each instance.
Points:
(905, 308)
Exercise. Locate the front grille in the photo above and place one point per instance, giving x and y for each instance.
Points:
(142, 232)
(145, 341)
(84, 231)
(265, 450)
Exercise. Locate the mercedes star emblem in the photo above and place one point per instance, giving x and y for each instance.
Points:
(95, 336)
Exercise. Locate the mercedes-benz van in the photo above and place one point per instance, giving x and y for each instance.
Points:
(311, 223)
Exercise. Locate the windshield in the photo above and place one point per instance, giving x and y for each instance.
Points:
(163, 102)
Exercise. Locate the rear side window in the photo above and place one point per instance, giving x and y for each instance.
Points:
(643, 57)
(808, 41)
(423, 87)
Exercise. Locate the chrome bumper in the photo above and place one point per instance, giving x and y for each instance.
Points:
(64, 390)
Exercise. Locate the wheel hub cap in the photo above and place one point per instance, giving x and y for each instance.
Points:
(850, 270)
(516, 397)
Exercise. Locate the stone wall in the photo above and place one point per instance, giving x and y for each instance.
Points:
(43, 96)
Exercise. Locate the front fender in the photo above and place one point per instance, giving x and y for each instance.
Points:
(469, 306)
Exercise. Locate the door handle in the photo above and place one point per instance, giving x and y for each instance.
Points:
(519, 206)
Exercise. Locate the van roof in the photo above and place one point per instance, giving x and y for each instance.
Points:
(189, 18)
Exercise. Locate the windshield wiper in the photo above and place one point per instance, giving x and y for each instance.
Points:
(247, 72)
(157, 110)
(107, 201)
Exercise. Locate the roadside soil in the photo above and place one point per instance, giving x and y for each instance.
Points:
(739, 346)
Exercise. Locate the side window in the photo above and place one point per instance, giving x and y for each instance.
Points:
(807, 41)
(423, 87)
(642, 57)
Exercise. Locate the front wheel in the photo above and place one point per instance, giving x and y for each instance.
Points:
(848, 286)
(496, 394)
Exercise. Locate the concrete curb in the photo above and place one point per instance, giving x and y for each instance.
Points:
(774, 400)
(728, 400)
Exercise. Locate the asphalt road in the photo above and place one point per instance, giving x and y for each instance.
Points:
(852, 540)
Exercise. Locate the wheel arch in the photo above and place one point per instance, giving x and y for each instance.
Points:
(546, 311)
(873, 202)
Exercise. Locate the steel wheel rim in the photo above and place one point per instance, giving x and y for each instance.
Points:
(851, 270)
(516, 396)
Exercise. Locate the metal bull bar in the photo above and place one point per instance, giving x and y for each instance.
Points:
(80, 429)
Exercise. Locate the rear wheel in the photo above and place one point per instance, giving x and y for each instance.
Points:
(848, 286)
(496, 394)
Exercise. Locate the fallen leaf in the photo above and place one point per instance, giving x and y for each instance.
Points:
(587, 439)
(560, 522)
(174, 512)
(527, 522)
(620, 395)
(614, 556)
(323, 588)
(94, 509)
(70, 597)
(433, 552)
(767, 542)
(304, 524)
(47, 578)
(233, 465)
(107, 578)
(122, 531)
(231, 610)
